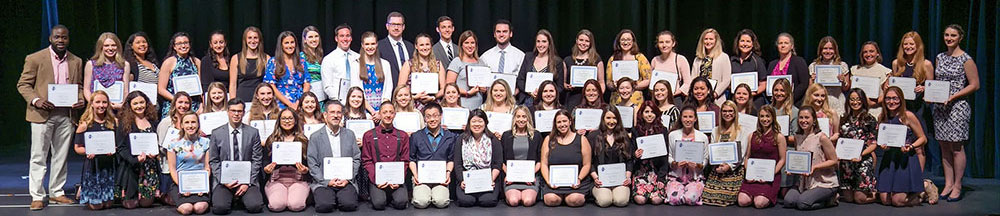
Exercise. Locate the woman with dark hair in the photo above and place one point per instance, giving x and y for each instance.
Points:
(543, 59)
(216, 67)
(309, 109)
(217, 98)
(180, 62)
(818, 188)
(765, 143)
(583, 54)
(477, 149)
(547, 97)
(248, 66)
(746, 58)
(287, 185)
(591, 96)
(167, 129)
(871, 66)
(900, 179)
(700, 97)
(857, 176)
(662, 92)
(312, 55)
(686, 179)
(286, 73)
(138, 175)
(625, 49)
(97, 184)
(565, 147)
(354, 109)
(611, 144)
(649, 179)
(142, 58)
(951, 119)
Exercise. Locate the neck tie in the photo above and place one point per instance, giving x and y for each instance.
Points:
(236, 145)
(347, 64)
(402, 54)
(502, 54)
(447, 49)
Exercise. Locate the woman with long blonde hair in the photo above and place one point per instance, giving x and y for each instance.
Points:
(712, 63)
(817, 98)
(97, 188)
(722, 182)
(423, 62)
(828, 53)
(107, 67)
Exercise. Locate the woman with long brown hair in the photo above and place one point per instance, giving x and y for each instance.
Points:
(288, 185)
(138, 175)
(247, 66)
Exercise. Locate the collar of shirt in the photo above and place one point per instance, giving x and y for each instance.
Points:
(231, 128)
(445, 44)
(333, 133)
(394, 41)
(433, 135)
(55, 56)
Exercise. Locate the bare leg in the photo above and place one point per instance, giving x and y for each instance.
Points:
(761, 202)
(552, 199)
(744, 200)
(947, 163)
(185, 209)
(575, 200)
(959, 169)
(200, 207)
(639, 199)
(513, 197)
(921, 157)
(528, 197)
(863, 197)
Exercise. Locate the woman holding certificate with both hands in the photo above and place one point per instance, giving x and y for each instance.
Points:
(189, 152)
(671, 62)
(817, 187)
(722, 182)
(788, 63)
(765, 143)
(424, 63)
(180, 62)
(857, 175)
(612, 147)
(626, 50)
(287, 187)
(900, 179)
(106, 68)
(565, 163)
(522, 142)
(828, 60)
(97, 187)
(583, 54)
(476, 151)
(138, 175)
(686, 179)
(458, 72)
(543, 59)
(285, 72)
(649, 177)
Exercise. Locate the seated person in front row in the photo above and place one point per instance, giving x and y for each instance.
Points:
(385, 143)
(333, 141)
(235, 141)
(431, 144)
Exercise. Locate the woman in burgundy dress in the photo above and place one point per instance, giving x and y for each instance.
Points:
(765, 143)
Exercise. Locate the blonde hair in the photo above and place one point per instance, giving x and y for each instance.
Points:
(529, 127)
(395, 101)
(99, 57)
(786, 105)
(716, 50)
(733, 128)
(89, 116)
(807, 101)
(419, 61)
(917, 58)
(261, 55)
(182, 134)
(508, 98)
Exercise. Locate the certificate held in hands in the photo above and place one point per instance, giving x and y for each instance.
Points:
(359, 127)
(389, 172)
(338, 168)
(431, 172)
(774, 78)
(63, 95)
(454, 118)
(407, 121)
(424, 83)
(148, 89)
(828, 75)
(587, 119)
(749, 78)
(99, 142)
(499, 122)
(564, 175)
(286, 153)
(580, 74)
(143, 143)
(652, 146)
(706, 121)
(114, 92)
(670, 77)
(870, 85)
(521, 171)
(235, 171)
(535, 79)
(188, 83)
(264, 128)
(783, 121)
(480, 76)
(723, 153)
(892, 135)
(625, 68)
(760, 169)
(211, 121)
(849, 149)
(690, 152)
(627, 115)
(476, 181)
(935, 91)
(544, 120)
(907, 84)
(799, 162)
(193, 181)
(611, 175)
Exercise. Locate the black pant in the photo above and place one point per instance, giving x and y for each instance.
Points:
(482, 199)
(222, 199)
(398, 198)
(329, 197)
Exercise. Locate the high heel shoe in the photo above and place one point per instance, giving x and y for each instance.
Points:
(956, 199)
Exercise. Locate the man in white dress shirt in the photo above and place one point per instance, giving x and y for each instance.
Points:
(504, 57)
(445, 50)
(393, 48)
(336, 65)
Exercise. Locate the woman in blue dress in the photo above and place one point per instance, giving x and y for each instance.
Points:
(285, 72)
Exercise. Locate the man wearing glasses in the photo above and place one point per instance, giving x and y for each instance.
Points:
(393, 48)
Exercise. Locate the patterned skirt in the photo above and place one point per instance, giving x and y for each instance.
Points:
(721, 189)
(646, 183)
(98, 183)
(858, 176)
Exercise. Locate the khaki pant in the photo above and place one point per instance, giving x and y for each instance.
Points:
(51, 138)
(424, 196)
(604, 197)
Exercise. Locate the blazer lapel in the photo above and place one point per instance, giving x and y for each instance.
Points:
(246, 149)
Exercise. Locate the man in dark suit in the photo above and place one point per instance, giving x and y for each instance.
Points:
(393, 48)
(235, 141)
(51, 126)
(445, 50)
(333, 141)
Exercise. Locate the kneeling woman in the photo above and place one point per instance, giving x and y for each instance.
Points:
(138, 175)
(765, 143)
(288, 186)
(521, 142)
(900, 178)
(477, 149)
(817, 188)
(98, 185)
(686, 179)
(611, 145)
(565, 147)
(189, 152)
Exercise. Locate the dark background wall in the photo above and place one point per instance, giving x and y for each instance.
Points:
(850, 22)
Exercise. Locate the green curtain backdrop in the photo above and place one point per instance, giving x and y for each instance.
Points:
(850, 22)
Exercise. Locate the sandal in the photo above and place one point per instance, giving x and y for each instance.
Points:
(931, 195)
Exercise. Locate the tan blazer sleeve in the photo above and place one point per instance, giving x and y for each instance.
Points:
(26, 84)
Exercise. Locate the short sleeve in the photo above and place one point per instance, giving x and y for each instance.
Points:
(269, 72)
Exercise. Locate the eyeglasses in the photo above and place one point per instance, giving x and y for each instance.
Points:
(892, 98)
(395, 24)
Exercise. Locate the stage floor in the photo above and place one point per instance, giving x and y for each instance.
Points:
(982, 197)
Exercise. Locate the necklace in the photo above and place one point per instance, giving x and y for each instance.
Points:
(580, 61)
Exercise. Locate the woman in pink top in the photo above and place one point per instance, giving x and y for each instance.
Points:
(288, 185)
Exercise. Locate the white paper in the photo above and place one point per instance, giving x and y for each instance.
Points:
(783, 121)
(499, 122)
(849, 149)
(172, 135)
(611, 175)
(520, 170)
(772, 79)
(799, 162)
(828, 75)
(481, 76)
(749, 78)
(870, 85)
(760, 169)
(625, 68)
(389, 172)
(476, 181)
(211, 121)
(338, 168)
(286, 153)
(652, 146)
(339, 89)
(748, 122)
(187, 83)
(670, 77)
(587, 119)
(63, 95)
(564, 175)
(235, 171)
(690, 152)
(534, 80)
(824, 125)
(316, 87)
(580, 74)
(665, 120)
(431, 171)
(193, 181)
(424, 83)
(359, 127)
(144, 142)
(511, 80)
(627, 115)
(115, 92)
(99, 142)
(724, 152)
(407, 121)
(264, 128)
(312, 128)
(907, 84)
(706, 121)
(454, 118)
(892, 135)
(148, 89)
(935, 91)
(544, 120)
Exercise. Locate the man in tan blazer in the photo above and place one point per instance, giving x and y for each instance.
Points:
(51, 127)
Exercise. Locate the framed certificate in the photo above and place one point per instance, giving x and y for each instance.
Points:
(935, 91)
(389, 172)
(748, 122)
(312, 128)
(723, 153)
(828, 75)
(63, 95)
(211, 121)
(454, 118)
(359, 127)
(99, 142)
(824, 125)
(627, 114)
(286, 153)
(799, 162)
(148, 89)
(407, 121)
(671, 78)
(431, 171)
(188, 83)
(235, 171)
(587, 119)
(544, 120)
(892, 135)
(338, 168)
(478, 75)
(906, 84)
(476, 181)
(760, 169)
(264, 128)
(690, 152)
(424, 83)
(144, 143)
(193, 181)
(870, 85)
(652, 146)
(499, 122)
(783, 121)
(611, 175)
(749, 78)
(772, 79)
(511, 80)
(521, 171)
(706, 121)
(580, 74)
(564, 175)
(115, 91)
(849, 149)
(625, 68)
(534, 80)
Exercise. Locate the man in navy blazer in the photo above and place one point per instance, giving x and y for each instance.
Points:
(235, 141)
(393, 48)
(432, 143)
(333, 141)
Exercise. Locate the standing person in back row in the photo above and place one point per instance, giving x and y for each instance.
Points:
(337, 65)
(445, 50)
(51, 126)
(504, 57)
(393, 48)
